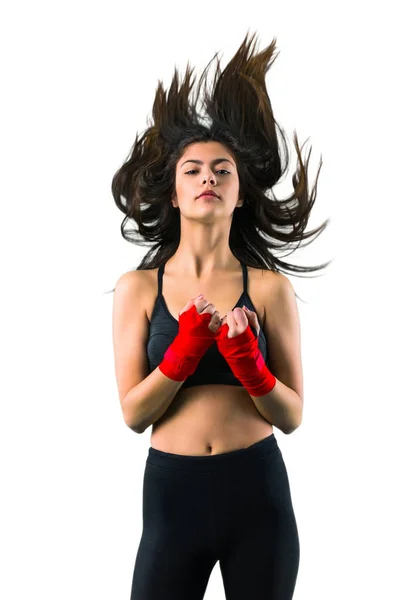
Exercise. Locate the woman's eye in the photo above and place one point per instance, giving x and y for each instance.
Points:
(196, 171)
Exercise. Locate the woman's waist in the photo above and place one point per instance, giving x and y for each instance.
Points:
(210, 422)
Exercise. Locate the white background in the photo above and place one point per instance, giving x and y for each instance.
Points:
(78, 81)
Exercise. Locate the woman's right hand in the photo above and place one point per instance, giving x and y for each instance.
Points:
(203, 306)
(196, 335)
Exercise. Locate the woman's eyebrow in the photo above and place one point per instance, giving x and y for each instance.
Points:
(213, 162)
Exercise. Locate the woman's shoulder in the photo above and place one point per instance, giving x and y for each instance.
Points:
(263, 274)
(135, 276)
(267, 286)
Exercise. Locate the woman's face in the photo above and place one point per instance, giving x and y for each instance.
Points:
(207, 165)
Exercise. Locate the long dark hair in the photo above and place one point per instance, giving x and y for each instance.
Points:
(238, 114)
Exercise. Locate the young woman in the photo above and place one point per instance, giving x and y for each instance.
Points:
(213, 373)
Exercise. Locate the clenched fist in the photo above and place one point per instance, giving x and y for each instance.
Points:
(237, 319)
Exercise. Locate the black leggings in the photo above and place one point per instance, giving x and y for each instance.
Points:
(234, 508)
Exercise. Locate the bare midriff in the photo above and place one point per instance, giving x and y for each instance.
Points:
(209, 419)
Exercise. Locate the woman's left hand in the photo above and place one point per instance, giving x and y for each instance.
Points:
(237, 321)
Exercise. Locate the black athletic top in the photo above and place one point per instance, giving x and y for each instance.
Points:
(212, 367)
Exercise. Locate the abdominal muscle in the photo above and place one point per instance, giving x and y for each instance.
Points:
(209, 419)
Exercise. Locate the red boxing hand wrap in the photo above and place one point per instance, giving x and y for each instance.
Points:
(245, 360)
(193, 340)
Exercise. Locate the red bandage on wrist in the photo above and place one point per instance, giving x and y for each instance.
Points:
(245, 360)
(193, 340)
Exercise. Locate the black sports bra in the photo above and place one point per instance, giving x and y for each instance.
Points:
(212, 367)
